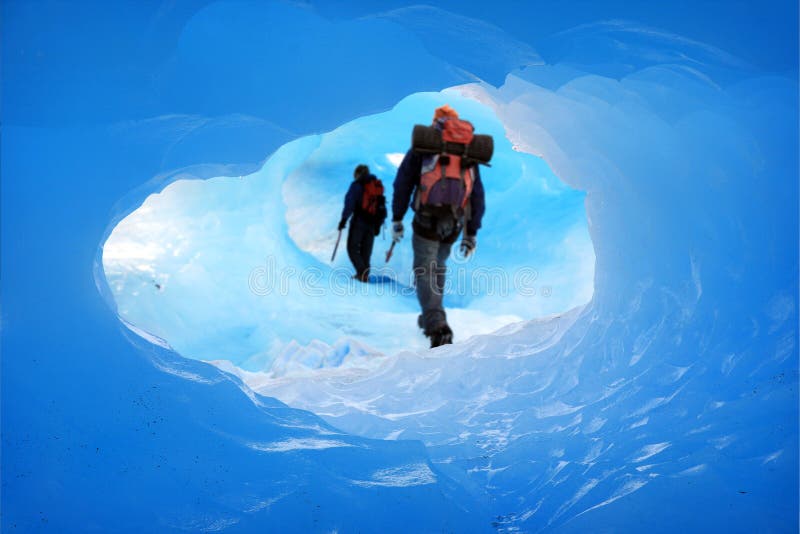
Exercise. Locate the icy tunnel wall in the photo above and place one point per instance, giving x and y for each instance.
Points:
(688, 155)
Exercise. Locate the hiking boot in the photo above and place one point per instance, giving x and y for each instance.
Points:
(362, 277)
(441, 336)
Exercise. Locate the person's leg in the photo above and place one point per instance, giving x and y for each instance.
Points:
(443, 334)
(429, 293)
(441, 265)
(354, 240)
(366, 248)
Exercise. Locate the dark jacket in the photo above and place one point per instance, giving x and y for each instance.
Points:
(405, 184)
(352, 200)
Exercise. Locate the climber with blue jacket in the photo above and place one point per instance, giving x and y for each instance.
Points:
(366, 204)
(447, 196)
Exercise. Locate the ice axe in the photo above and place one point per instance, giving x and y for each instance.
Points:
(389, 252)
(336, 247)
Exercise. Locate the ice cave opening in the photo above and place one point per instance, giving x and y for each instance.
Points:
(237, 270)
(667, 403)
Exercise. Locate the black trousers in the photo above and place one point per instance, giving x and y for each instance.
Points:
(360, 239)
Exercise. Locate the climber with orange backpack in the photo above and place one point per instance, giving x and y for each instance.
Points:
(367, 205)
(439, 179)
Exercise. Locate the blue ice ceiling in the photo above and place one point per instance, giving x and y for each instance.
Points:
(668, 402)
(225, 268)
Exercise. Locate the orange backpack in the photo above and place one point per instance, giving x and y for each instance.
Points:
(446, 179)
(373, 202)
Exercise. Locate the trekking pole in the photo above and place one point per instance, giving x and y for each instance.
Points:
(389, 252)
(335, 248)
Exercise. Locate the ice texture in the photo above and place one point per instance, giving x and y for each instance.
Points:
(668, 402)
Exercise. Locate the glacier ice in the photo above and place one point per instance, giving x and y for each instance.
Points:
(668, 402)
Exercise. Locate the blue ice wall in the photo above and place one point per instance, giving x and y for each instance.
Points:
(680, 124)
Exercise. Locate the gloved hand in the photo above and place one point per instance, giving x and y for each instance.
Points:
(342, 224)
(397, 231)
(468, 244)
